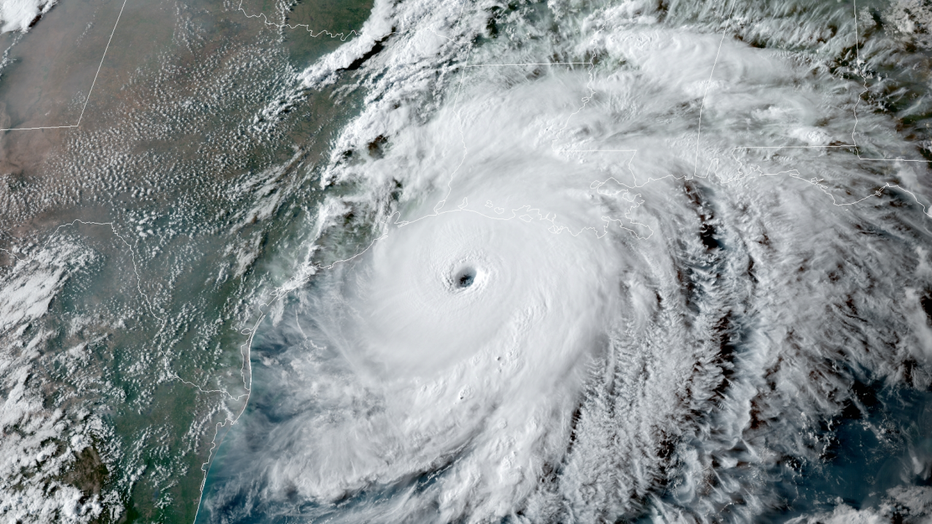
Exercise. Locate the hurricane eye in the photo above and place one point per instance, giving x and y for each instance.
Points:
(464, 278)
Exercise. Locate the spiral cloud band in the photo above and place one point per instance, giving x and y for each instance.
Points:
(630, 269)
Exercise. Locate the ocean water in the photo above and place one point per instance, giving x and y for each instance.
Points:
(575, 261)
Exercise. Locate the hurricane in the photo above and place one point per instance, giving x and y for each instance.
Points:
(600, 262)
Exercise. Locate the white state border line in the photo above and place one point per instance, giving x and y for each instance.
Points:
(528, 64)
(89, 91)
(854, 142)
(705, 93)
(343, 35)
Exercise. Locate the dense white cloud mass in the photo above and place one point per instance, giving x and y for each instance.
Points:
(624, 268)
(40, 443)
(18, 15)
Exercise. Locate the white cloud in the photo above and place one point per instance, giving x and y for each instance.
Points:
(16, 15)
